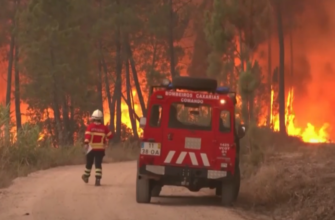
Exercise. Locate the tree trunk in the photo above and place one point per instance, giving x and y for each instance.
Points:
(241, 50)
(268, 119)
(99, 82)
(56, 108)
(67, 131)
(281, 95)
(9, 83)
(10, 70)
(118, 85)
(17, 90)
(171, 41)
(135, 77)
(99, 88)
(111, 102)
(129, 100)
(251, 108)
(292, 53)
(199, 65)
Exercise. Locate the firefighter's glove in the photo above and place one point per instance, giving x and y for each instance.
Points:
(85, 148)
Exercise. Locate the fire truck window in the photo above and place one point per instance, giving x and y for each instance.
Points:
(225, 121)
(155, 116)
(195, 116)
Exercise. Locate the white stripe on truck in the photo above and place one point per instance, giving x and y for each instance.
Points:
(205, 159)
(193, 159)
(169, 157)
(181, 157)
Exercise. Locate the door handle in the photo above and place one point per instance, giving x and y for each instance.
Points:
(170, 136)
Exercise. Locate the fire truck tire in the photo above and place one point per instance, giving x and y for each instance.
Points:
(156, 190)
(228, 193)
(194, 83)
(230, 189)
(143, 193)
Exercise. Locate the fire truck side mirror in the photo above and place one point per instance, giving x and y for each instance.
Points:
(241, 131)
(143, 122)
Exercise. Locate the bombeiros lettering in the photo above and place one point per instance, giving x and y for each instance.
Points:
(179, 94)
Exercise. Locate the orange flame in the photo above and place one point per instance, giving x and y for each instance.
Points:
(125, 112)
(309, 134)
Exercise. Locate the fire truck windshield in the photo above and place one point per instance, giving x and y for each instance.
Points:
(190, 116)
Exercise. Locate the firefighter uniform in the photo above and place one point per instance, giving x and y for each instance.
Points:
(96, 136)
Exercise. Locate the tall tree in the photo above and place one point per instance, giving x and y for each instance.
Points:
(129, 100)
(56, 63)
(17, 96)
(281, 95)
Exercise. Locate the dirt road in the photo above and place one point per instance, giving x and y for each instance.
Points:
(59, 194)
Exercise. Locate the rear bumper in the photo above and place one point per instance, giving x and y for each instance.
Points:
(155, 171)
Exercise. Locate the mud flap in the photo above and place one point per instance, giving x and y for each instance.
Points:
(156, 190)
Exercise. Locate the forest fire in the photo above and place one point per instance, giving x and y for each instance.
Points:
(307, 106)
(125, 112)
(308, 134)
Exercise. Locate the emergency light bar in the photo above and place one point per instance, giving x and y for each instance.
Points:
(223, 90)
(166, 82)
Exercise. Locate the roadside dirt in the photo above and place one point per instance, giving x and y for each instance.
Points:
(59, 194)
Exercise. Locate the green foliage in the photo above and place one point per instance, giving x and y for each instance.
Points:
(219, 34)
(248, 83)
(55, 53)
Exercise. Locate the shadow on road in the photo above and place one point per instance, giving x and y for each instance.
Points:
(186, 201)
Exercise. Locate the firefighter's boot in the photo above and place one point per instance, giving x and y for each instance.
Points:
(84, 178)
(97, 182)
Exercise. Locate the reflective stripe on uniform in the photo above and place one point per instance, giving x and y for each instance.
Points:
(97, 146)
(98, 172)
(87, 172)
(102, 135)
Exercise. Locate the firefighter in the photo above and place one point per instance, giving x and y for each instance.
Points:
(96, 137)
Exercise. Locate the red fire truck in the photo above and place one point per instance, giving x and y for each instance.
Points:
(190, 139)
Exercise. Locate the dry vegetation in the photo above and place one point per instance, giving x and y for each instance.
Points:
(286, 179)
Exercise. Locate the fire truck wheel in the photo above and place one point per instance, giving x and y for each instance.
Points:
(143, 193)
(230, 189)
(156, 190)
(194, 83)
(228, 193)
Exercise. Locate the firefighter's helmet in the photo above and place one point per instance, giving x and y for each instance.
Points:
(97, 115)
